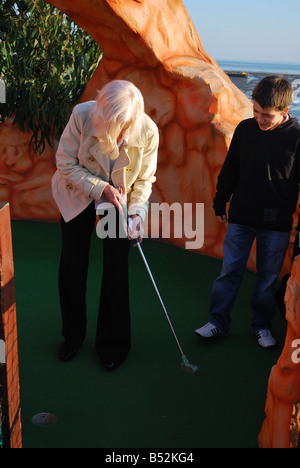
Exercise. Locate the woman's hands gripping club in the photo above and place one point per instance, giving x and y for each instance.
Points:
(117, 198)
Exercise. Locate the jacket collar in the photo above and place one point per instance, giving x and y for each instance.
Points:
(88, 128)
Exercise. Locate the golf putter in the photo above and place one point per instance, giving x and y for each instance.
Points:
(185, 365)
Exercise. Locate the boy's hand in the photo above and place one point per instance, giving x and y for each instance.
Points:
(223, 219)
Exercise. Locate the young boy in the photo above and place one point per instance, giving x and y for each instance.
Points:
(260, 177)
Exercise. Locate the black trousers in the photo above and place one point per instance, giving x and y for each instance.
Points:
(113, 334)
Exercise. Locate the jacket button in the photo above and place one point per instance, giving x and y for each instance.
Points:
(69, 187)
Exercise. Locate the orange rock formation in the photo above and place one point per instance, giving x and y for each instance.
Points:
(196, 106)
(25, 178)
(284, 382)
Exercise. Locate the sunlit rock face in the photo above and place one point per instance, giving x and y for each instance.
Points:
(25, 178)
(281, 428)
(195, 105)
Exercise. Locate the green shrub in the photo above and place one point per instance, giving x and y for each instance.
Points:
(46, 61)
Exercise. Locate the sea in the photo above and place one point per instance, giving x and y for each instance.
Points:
(258, 70)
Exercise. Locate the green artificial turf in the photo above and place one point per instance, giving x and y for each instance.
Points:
(149, 402)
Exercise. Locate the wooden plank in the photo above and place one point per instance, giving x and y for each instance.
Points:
(9, 369)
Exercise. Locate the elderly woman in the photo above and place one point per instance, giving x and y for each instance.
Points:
(107, 153)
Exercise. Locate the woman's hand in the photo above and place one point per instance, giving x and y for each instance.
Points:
(135, 228)
(115, 197)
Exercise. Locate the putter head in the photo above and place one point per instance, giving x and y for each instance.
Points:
(187, 367)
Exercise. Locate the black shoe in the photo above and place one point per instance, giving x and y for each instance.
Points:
(110, 365)
(66, 353)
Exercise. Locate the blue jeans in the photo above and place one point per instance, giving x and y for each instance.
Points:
(270, 255)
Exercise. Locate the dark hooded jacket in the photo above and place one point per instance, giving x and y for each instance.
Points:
(260, 176)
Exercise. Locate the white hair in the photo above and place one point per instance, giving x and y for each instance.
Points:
(119, 107)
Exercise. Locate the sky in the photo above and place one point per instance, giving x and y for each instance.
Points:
(255, 31)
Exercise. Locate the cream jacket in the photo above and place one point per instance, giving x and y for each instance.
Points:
(83, 170)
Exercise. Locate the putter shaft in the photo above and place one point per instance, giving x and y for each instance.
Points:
(158, 295)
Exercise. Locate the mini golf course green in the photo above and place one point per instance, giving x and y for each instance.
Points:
(149, 402)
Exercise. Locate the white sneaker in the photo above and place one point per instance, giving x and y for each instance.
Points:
(265, 338)
(209, 331)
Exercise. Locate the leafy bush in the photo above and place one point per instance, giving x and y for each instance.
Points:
(46, 61)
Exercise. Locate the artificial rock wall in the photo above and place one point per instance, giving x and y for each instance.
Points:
(283, 400)
(195, 105)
